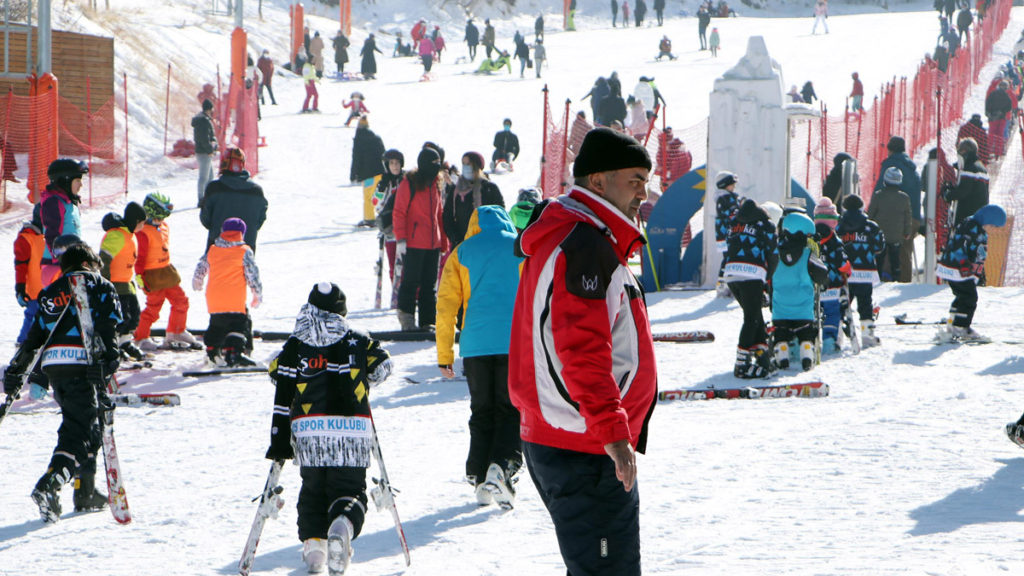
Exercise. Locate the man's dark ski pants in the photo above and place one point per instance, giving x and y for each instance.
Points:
(596, 521)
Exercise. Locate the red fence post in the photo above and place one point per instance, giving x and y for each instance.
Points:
(88, 127)
(544, 144)
(565, 146)
(125, 134)
(167, 105)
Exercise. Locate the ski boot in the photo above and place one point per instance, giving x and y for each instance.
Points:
(782, 355)
(128, 349)
(868, 338)
(499, 484)
(46, 494)
(87, 498)
(147, 345)
(314, 554)
(743, 357)
(407, 321)
(234, 350)
(970, 335)
(829, 346)
(182, 340)
(1015, 431)
(483, 497)
(806, 355)
(339, 545)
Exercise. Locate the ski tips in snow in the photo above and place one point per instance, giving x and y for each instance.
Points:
(815, 389)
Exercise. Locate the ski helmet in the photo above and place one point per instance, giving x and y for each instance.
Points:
(393, 154)
(773, 210)
(233, 160)
(62, 243)
(66, 168)
(157, 206)
(725, 179)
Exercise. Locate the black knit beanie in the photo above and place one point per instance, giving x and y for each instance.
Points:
(328, 297)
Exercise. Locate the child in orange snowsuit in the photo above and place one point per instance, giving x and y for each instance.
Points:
(28, 257)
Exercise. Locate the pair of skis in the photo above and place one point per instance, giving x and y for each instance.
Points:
(382, 493)
(815, 389)
(116, 497)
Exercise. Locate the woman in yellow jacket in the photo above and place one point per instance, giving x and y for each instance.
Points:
(482, 276)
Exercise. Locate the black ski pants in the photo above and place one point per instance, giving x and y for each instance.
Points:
(493, 420)
(862, 291)
(748, 295)
(224, 323)
(79, 437)
(802, 330)
(129, 313)
(329, 492)
(417, 287)
(597, 522)
(965, 302)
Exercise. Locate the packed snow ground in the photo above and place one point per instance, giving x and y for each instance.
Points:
(904, 469)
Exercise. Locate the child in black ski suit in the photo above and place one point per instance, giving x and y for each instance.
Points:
(322, 419)
(749, 262)
(78, 377)
(962, 265)
(863, 241)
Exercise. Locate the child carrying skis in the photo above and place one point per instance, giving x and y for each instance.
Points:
(794, 290)
(826, 218)
(750, 260)
(962, 265)
(863, 241)
(78, 377)
(119, 252)
(160, 280)
(322, 419)
(232, 268)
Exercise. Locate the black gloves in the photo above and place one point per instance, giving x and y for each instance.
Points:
(21, 294)
(280, 438)
(12, 381)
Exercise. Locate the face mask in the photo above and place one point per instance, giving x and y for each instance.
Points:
(468, 172)
(508, 128)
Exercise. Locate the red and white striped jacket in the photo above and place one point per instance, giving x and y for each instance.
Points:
(581, 362)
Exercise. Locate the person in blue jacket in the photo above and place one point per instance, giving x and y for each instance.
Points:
(962, 266)
(482, 276)
(863, 241)
(911, 186)
(749, 262)
(794, 287)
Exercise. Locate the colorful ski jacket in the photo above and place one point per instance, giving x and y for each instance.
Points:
(232, 267)
(727, 205)
(481, 276)
(963, 257)
(321, 407)
(799, 269)
(581, 360)
(28, 256)
(60, 215)
(154, 257)
(751, 245)
(834, 256)
(863, 241)
(65, 354)
(118, 252)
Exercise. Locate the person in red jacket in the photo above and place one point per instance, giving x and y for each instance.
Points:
(857, 94)
(419, 234)
(581, 360)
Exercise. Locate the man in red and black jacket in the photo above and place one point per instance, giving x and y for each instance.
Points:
(581, 362)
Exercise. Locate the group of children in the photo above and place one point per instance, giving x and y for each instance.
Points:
(814, 270)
